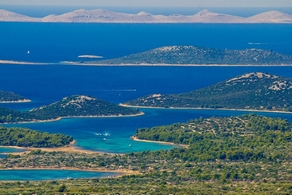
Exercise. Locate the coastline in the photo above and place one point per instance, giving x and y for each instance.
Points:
(18, 101)
(172, 65)
(12, 62)
(59, 118)
(134, 138)
(227, 109)
(67, 148)
(120, 172)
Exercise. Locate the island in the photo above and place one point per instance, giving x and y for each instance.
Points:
(225, 155)
(192, 56)
(251, 91)
(106, 16)
(11, 97)
(72, 106)
(23, 137)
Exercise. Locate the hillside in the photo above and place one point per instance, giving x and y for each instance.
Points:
(72, 106)
(30, 138)
(247, 154)
(259, 91)
(8, 16)
(272, 16)
(105, 16)
(7, 97)
(190, 55)
(214, 128)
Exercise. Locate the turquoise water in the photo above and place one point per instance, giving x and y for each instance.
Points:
(46, 84)
(56, 42)
(113, 134)
(8, 150)
(32, 175)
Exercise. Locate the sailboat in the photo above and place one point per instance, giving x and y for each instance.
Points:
(28, 52)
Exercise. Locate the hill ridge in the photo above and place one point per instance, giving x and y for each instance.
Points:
(256, 91)
(194, 55)
(105, 16)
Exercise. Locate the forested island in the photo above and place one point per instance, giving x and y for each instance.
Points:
(24, 137)
(191, 55)
(72, 106)
(246, 154)
(10, 97)
(256, 90)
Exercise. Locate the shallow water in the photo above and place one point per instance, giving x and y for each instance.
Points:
(32, 175)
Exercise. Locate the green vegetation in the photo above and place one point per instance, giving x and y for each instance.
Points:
(259, 91)
(7, 96)
(180, 55)
(246, 154)
(73, 106)
(30, 138)
(247, 137)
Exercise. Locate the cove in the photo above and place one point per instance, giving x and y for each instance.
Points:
(36, 175)
(113, 135)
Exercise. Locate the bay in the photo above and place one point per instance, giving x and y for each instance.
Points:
(54, 42)
(46, 84)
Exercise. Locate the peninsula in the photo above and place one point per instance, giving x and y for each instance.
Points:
(11, 97)
(23, 137)
(252, 91)
(105, 16)
(72, 106)
(226, 155)
(203, 56)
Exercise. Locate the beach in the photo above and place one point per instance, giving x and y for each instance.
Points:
(227, 109)
(160, 142)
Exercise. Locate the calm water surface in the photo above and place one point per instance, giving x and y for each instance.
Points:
(33, 175)
(54, 42)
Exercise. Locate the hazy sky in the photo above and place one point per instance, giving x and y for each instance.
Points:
(155, 3)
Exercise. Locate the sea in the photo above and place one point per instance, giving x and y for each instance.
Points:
(52, 43)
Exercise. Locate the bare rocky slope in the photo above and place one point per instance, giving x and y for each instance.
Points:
(105, 16)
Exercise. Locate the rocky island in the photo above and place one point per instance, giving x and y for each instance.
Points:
(256, 91)
(72, 106)
(191, 55)
(106, 16)
(10, 97)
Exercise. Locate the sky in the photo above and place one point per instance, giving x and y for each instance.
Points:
(154, 3)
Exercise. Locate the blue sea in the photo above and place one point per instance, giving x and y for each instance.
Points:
(55, 42)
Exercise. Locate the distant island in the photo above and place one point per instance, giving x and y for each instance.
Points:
(191, 55)
(105, 16)
(252, 91)
(72, 106)
(23, 137)
(11, 97)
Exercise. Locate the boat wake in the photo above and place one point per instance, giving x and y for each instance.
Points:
(106, 134)
(250, 43)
